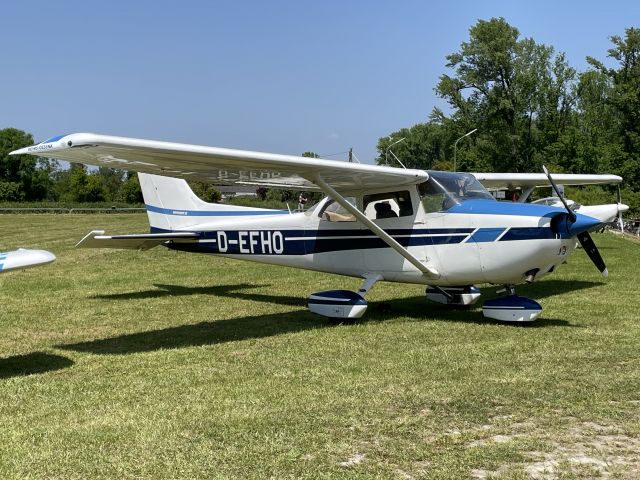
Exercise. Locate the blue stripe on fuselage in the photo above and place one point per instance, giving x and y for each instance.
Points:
(486, 235)
(213, 213)
(301, 242)
(528, 233)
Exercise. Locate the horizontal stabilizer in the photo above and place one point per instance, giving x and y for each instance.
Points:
(141, 241)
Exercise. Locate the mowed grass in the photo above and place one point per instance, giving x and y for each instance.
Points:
(163, 364)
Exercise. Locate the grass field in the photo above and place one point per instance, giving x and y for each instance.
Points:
(162, 364)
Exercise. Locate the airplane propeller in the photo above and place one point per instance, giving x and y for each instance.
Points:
(620, 222)
(584, 238)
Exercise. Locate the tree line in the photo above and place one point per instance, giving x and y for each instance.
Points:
(529, 107)
(24, 178)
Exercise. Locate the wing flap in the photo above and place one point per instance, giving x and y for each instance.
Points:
(220, 165)
(142, 241)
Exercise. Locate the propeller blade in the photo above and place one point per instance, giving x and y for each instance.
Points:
(590, 247)
(620, 221)
(572, 215)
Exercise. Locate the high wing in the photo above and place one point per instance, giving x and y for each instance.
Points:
(220, 166)
(532, 180)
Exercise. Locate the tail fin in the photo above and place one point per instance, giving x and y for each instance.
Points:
(172, 205)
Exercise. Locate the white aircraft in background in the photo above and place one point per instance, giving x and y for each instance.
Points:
(528, 183)
(607, 213)
(24, 258)
(439, 229)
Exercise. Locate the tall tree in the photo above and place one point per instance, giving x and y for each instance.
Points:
(77, 185)
(624, 98)
(424, 146)
(516, 92)
(16, 172)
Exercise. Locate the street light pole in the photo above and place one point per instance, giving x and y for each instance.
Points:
(386, 153)
(455, 147)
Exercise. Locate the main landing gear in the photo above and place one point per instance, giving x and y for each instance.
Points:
(345, 304)
(512, 308)
(342, 304)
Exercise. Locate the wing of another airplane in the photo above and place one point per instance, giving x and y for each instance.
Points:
(24, 258)
(527, 180)
(221, 166)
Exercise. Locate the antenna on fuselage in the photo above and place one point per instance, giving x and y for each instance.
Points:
(397, 159)
(386, 155)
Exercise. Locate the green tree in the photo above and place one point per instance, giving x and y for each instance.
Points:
(112, 180)
(131, 191)
(22, 177)
(205, 191)
(76, 185)
(424, 145)
(10, 192)
(516, 92)
(624, 100)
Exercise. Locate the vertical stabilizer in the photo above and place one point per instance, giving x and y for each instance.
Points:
(168, 201)
(171, 205)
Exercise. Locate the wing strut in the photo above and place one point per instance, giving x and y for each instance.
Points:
(384, 236)
(525, 194)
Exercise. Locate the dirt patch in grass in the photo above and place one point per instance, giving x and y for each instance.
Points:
(586, 450)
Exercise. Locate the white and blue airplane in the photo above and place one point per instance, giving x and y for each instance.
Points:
(24, 258)
(439, 229)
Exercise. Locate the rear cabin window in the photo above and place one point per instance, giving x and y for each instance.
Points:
(388, 205)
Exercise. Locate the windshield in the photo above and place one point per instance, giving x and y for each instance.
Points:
(443, 190)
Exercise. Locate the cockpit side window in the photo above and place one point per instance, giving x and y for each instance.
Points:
(388, 205)
(332, 211)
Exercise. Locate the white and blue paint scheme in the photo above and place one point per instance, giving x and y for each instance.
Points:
(439, 229)
(24, 258)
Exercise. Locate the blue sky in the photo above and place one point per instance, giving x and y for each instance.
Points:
(278, 76)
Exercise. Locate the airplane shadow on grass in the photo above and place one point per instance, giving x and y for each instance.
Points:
(233, 291)
(537, 290)
(203, 333)
(262, 326)
(30, 363)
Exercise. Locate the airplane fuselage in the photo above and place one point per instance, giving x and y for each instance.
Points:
(477, 242)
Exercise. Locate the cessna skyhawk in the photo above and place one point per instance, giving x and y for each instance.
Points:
(439, 229)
